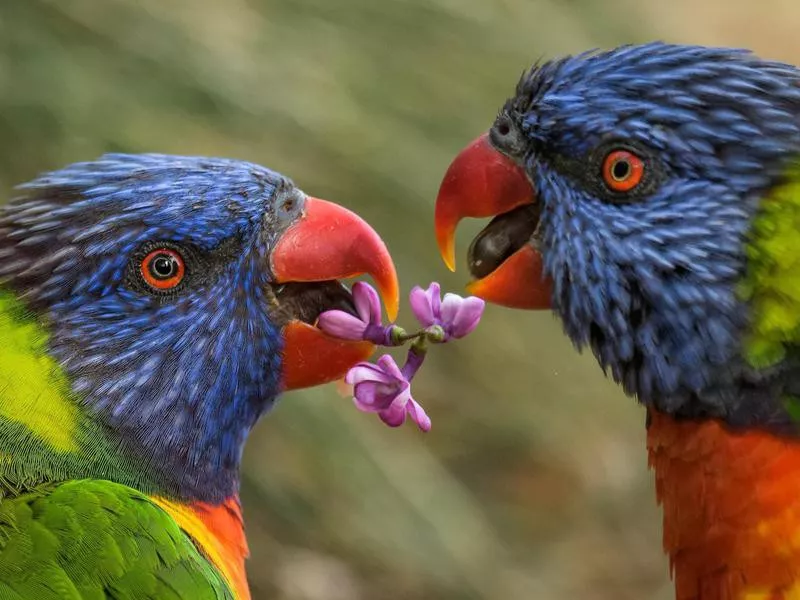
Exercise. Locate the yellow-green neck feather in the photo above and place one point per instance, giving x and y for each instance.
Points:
(45, 435)
(772, 285)
(34, 391)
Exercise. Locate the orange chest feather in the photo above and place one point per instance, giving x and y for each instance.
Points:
(218, 530)
(731, 505)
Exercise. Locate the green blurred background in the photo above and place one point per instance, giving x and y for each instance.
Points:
(533, 483)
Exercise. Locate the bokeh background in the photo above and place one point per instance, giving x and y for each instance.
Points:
(533, 483)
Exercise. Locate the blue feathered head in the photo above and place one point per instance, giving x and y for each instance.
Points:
(626, 183)
(178, 295)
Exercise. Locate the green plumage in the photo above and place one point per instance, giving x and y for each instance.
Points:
(87, 540)
(772, 285)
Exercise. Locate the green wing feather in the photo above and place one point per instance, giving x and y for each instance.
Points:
(92, 539)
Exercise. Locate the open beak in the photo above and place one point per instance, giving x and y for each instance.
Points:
(328, 242)
(482, 182)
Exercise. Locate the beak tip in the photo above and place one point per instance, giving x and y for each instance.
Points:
(389, 288)
(447, 249)
(392, 308)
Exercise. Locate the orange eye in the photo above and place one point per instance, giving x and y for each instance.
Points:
(622, 170)
(163, 269)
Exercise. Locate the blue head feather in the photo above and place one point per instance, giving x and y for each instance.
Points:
(179, 379)
(650, 282)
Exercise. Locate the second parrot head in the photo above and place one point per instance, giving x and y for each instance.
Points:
(623, 187)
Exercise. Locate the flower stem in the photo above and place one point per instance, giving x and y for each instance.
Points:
(399, 336)
(416, 356)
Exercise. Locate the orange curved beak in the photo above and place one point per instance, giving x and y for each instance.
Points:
(329, 242)
(482, 182)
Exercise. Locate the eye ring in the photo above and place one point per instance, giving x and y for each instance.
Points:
(622, 170)
(163, 269)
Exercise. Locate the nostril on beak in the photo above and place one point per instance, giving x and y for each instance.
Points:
(503, 128)
(507, 137)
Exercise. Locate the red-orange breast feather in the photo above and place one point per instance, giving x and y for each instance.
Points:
(731, 506)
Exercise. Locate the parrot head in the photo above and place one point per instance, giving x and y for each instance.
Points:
(623, 186)
(179, 296)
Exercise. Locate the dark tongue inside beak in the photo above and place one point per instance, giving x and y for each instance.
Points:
(306, 301)
(506, 266)
(501, 238)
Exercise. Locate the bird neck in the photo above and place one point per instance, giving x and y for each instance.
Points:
(43, 432)
(731, 503)
(46, 436)
(47, 433)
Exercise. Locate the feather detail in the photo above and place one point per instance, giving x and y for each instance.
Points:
(731, 505)
(218, 530)
(772, 285)
(98, 539)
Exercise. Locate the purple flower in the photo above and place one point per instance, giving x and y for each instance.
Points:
(457, 316)
(385, 389)
(366, 326)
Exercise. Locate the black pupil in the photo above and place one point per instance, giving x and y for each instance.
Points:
(621, 169)
(164, 266)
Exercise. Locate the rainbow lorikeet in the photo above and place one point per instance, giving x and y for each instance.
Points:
(651, 196)
(151, 309)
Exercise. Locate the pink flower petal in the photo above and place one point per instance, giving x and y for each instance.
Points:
(363, 407)
(365, 395)
(394, 416)
(434, 293)
(341, 325)
(390, 368)
(402, 396)
(421, 306)
(450, 307)
(467, 317)
(418, 415)
(367, 301)
(365, 371)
